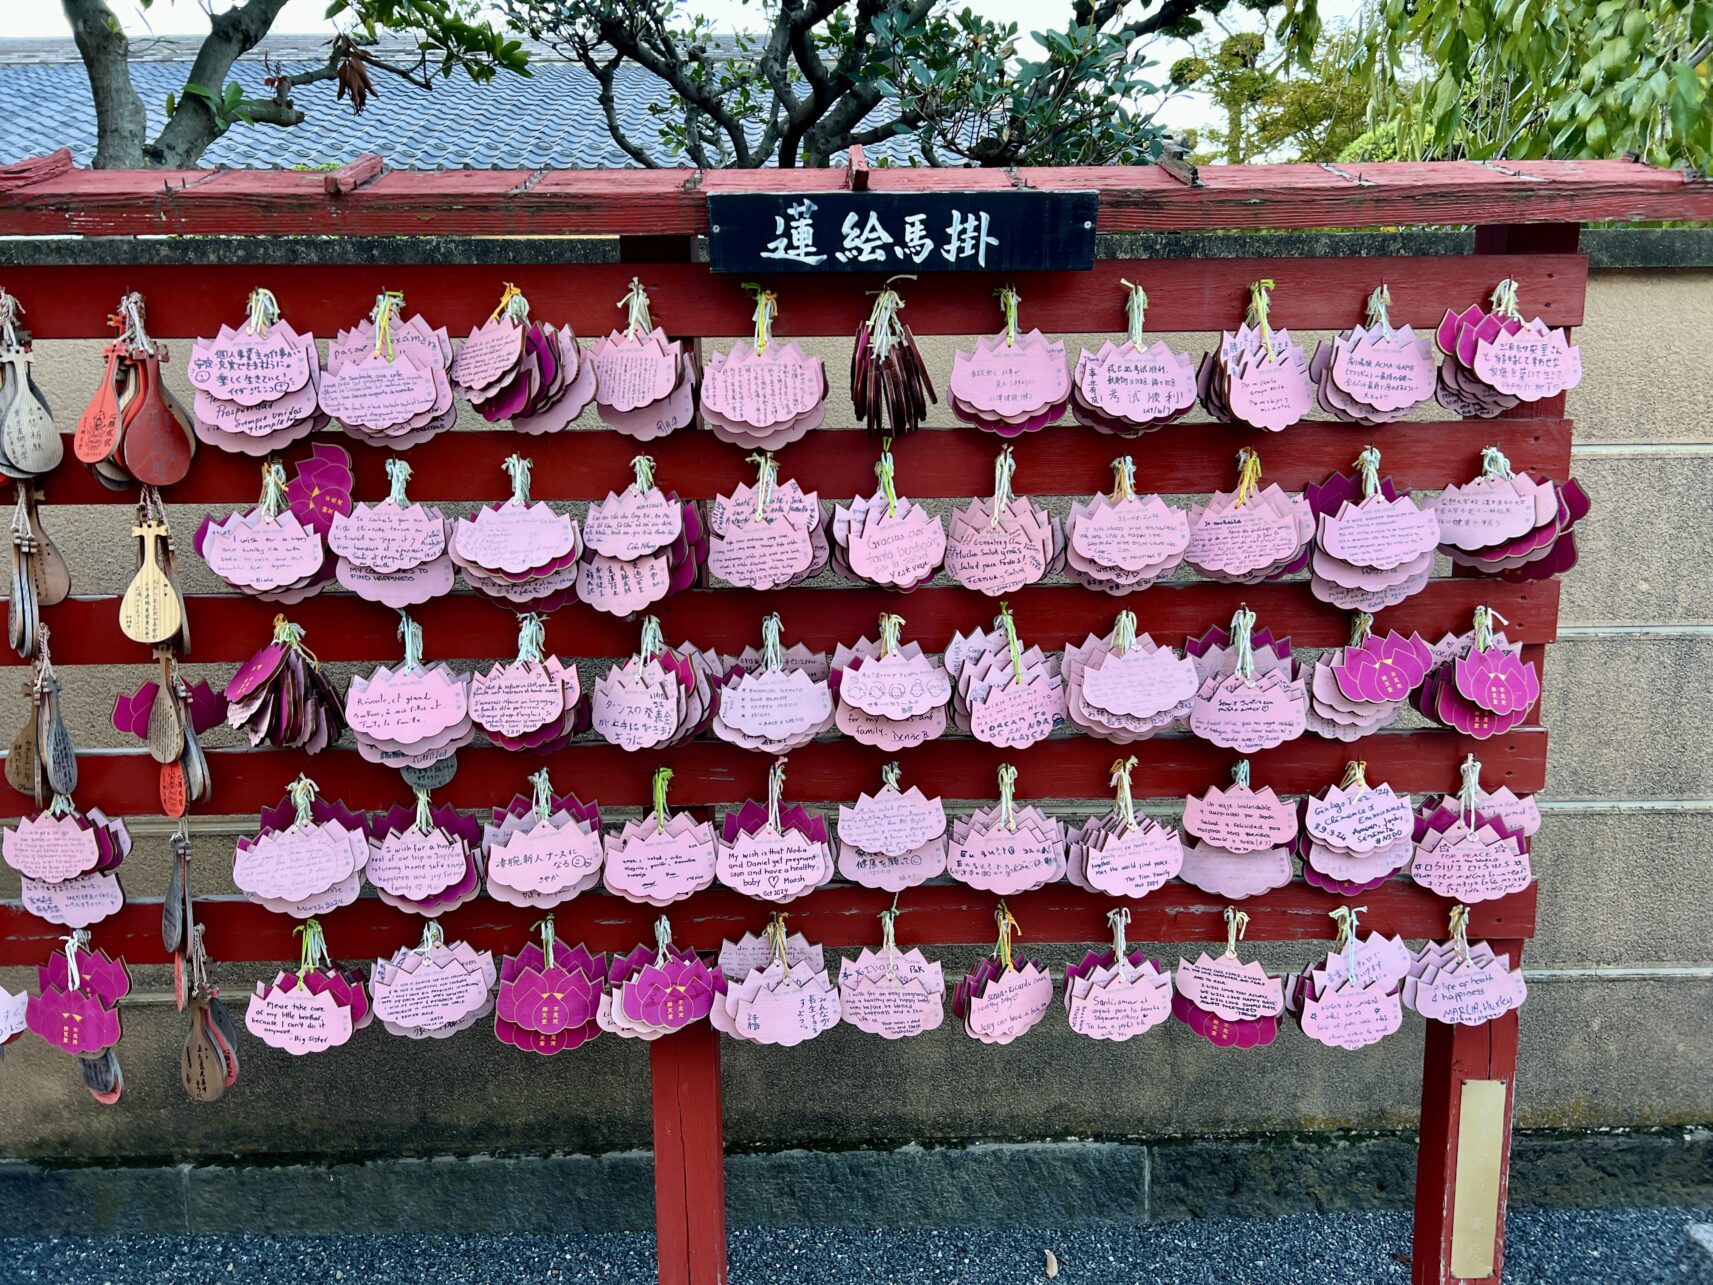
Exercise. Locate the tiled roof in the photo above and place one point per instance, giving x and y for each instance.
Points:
(548, 119)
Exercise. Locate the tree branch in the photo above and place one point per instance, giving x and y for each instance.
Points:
(232, 33)
(120, 120)
(603, 73)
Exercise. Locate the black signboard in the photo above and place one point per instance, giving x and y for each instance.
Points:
(1005, 231)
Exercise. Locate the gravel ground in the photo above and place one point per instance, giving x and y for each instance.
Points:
(1565, 1247)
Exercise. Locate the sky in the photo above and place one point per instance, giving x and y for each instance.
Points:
(187, 17)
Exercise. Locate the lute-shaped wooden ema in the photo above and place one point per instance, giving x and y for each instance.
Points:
(166, 732)
(97, 434)
(157, 445)
(22, 620)
(48, 568)
(150, 612)
(23, 764)
(29, 442)
(56, 771)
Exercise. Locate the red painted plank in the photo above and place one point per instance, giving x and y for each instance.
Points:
(510, 203)
(711, 772)
(353, 174)
(73, 302)
(689, 1157)
(1067, 459)
(229, 628)
(840, 916)
(35, 169)
(1454, 1054)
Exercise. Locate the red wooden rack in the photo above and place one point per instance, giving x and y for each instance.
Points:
(1527, 217)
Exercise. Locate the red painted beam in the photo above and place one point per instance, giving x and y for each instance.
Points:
(1067, 459)
(74, 301)
(671, 202)
(710, 772)
(840, 917)
(229, 628)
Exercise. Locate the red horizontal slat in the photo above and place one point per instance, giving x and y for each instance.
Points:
(73, 302)
(229, 628)
(839, 917)
(710, 772)
(671, 202)
(1068, 459)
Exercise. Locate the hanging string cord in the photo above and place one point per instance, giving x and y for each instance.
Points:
(411, 633)
(398, 477)
(1504, 300)
(1260, 306)
(76, 941)
(1236, 925)
(1470, 791)
(512, 306)
(1007, 930)
(531, 639)
(541, 794)
(10, 311)
(772, 650)
(775, 789)
(1495, 465)
(1135, 310)
(891, 628)
(519, 470)
(766, 309)
(662, 814)
(1123, 478)
(1361, 628)
(388, 305)
(885, 471)
(549, 939)
(1004, 469)
(1460, 932)
(1008, 301)
(424, 810)
(433, 938)
(1378, 303)
(652, 643)
(889, 939)
(777, 936)
(1012, 642)
(302, 793)
(313, 951)
(662, 940)
(1118, 920)
(1007, 800)
(273, 501)
(261, 311)
(766, 475)
(635, 304)
(644, 467)
(1355, 782)
(1240, 774)
(1484, 618)
(1124, 632)
(1124, 803)
(1242, 640)
(884, 328)
(1248, 477)
(1368, 469)
(1346, 942)
(132, 308)
(891, 774)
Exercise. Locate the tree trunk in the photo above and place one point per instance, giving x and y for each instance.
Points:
(122, 126)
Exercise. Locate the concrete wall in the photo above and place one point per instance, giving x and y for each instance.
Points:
(1615, 1031)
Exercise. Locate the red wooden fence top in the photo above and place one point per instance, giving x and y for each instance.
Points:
(47, 195)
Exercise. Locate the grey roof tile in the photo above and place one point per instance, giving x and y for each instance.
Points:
(550, 120)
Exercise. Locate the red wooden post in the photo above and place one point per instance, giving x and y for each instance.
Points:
(689, 1157)
(1456, 1055)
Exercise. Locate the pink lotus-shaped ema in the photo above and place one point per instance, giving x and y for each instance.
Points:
(1497, 681)
(75, 1022)
(1246, 1034)
(1383, 669)
(549, 1001)
(669, 995)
